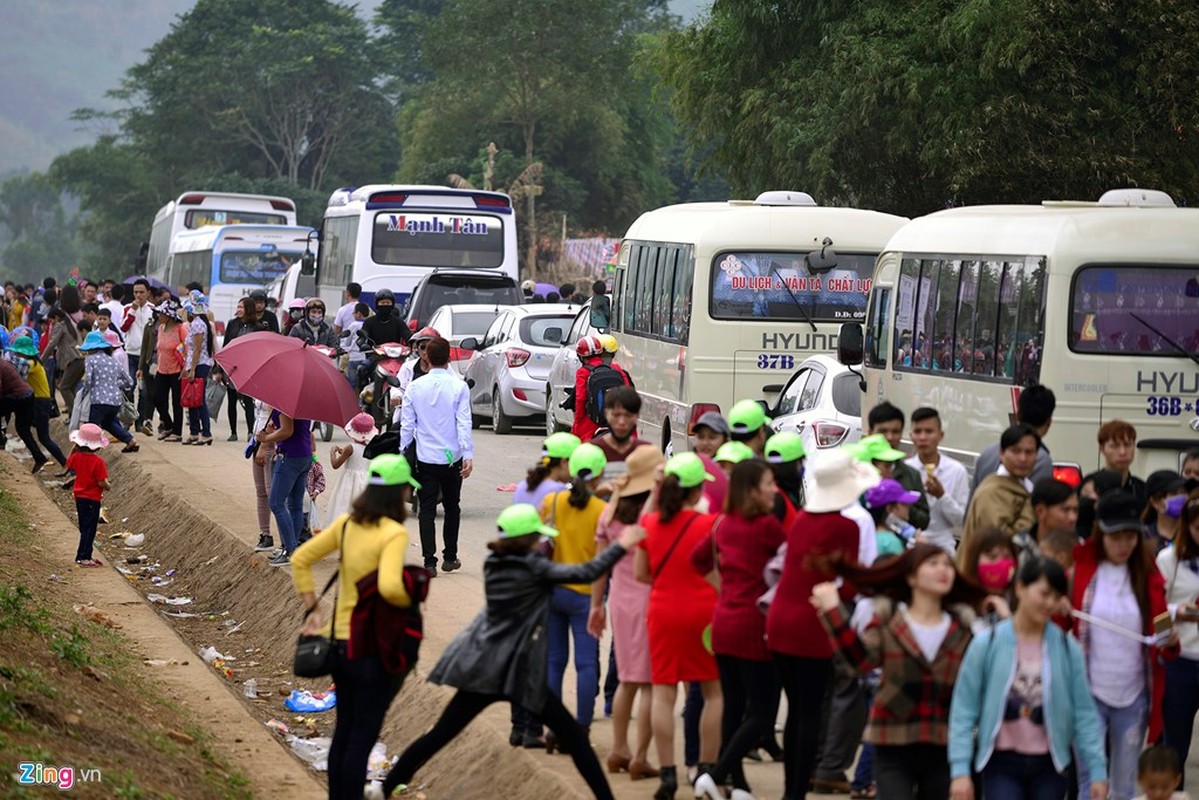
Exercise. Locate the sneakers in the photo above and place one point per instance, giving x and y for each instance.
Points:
(265, 542)
(282, 559)
(431, 566)
(451, 564)
(146, 429)
(372, 791)
(232, 437)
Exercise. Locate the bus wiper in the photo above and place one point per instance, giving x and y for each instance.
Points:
(1167, 339)
(775, 271)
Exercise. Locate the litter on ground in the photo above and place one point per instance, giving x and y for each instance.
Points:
(96, 615)
(306, 702)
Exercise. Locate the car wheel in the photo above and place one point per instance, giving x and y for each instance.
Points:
(327, 433)
(501, 423)
(550, 426)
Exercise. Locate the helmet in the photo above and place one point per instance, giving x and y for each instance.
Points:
(609, 342)
(299, 303)
(589, 346)
(385, 294)
(424, 334)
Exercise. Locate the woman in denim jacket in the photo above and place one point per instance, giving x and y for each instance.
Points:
(1023, 686)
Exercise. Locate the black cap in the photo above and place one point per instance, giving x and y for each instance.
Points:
(1118, 511)
(1106, 480)
(1163, 481)
(258, 294)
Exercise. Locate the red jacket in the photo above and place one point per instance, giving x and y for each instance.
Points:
(583, 427)
(792, 626)
(1086, 565)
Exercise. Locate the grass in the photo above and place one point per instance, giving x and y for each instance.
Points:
(72, 693)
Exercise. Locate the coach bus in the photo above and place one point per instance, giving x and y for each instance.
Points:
(1099, 301)
(232, 260)
(387, 236)
(199, 209)
(716, 302)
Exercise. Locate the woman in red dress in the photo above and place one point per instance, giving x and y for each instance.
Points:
(681, 603)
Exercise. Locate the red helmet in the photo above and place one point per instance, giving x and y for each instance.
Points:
(424, 334)
(589, 346)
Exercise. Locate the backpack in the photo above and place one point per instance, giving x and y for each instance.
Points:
(377, 628)
(600, 379)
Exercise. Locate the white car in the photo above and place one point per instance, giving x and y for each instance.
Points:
(512, 361)
(822, 402)
(457, 322)
(562, 373)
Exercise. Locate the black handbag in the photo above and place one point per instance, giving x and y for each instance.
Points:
(315, 654)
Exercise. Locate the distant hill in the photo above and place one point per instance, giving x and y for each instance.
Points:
(62, 55)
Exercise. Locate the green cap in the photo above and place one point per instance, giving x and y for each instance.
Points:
(747, 416)
(521, 519)
(23, 345)
(784, 447)
(734, 453)
(560, 445)
(390, 469)
(689, 469)
(874, 448)
(587, 461)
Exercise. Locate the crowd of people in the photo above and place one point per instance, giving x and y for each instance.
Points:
(1009, 633)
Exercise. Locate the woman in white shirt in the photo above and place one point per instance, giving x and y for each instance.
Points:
(1118, 586)
(1179, 565)
(197, 363)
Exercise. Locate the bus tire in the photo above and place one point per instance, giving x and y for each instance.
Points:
(501, 423)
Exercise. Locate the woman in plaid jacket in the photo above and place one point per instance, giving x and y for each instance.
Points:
(919, 644)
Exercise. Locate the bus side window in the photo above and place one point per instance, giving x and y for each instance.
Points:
(987, 320)
(926, 308)
(940, 341)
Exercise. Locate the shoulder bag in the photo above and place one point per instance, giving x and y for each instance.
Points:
(314, 654)
(673, 545)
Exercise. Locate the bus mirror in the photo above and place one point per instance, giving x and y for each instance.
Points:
(308, 264)
(823, 260)
(139, 263)
(849, 344)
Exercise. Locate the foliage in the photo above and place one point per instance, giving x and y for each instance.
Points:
(40, 232)
(909, 107)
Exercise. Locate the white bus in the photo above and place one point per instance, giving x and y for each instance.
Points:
(1097, 301)
(198, 209)
(713, 302)
(385, 236)
(232, 260)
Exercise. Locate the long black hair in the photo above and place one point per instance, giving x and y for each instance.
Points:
(381, 502)
(537, 474)
(672, 496)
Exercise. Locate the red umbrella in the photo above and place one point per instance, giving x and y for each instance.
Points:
(286, 373)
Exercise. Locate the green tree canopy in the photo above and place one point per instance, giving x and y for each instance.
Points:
(909, 107)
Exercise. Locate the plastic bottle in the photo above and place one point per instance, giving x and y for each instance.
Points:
(251, 689)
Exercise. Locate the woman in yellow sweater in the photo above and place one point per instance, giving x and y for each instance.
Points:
(370, 538)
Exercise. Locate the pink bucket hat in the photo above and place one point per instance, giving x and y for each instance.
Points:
(89, 435)
(361, 428)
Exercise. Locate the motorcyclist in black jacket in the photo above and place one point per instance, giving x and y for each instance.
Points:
(385, 325)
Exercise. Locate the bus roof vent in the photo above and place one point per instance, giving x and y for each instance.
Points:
(1149, 198)
(784, 198)
(341, 197)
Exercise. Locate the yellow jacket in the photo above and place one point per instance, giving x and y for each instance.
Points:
(576, 531)
(368, 548)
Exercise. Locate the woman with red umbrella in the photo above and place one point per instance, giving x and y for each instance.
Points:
(296, 451)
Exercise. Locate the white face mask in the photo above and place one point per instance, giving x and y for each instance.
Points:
(315, 318)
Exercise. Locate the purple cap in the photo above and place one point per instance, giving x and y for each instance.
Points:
(889, 491)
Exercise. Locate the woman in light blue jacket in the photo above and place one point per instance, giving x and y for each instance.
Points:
(1023, 686)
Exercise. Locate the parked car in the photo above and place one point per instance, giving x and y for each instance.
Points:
(444, 287)
(512, 362)
(822, 401)
(562, 372)
(458, 322)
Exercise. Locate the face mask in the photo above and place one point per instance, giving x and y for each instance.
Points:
(997, 575)
(315, 318)
(384, 313)
(295, 314)
(1174, 505)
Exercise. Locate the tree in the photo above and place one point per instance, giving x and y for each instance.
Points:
(41, 234)
(909, 107)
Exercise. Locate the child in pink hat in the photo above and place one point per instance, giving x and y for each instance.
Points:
(351, 465)
(91, 481)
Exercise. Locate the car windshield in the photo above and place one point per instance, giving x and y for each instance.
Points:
(778, 286)
(545, 331)
(1133, 310)
(472, 323)
(438, 294)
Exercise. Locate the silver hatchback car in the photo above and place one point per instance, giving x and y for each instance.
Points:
(509, 368)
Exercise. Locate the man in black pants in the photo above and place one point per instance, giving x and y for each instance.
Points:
(436, 415)
(16, 398)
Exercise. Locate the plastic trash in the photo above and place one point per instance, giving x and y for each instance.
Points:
(304, 701)
(169, 601)
(250, 689)
(277, 726)
(210, 654)
(378, 764)
(315, 751)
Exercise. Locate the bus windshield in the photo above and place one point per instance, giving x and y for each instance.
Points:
(204, 217)
(438, 240)
(779, 286)
(254, 266)
(1115, 309)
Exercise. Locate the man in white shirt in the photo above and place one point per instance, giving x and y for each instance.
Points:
(436, 415)
(946, 483)
(133, 320)
(345, 314)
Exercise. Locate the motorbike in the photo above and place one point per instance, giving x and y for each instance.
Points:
(380, 395)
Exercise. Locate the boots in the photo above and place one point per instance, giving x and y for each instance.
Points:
(668, 784)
